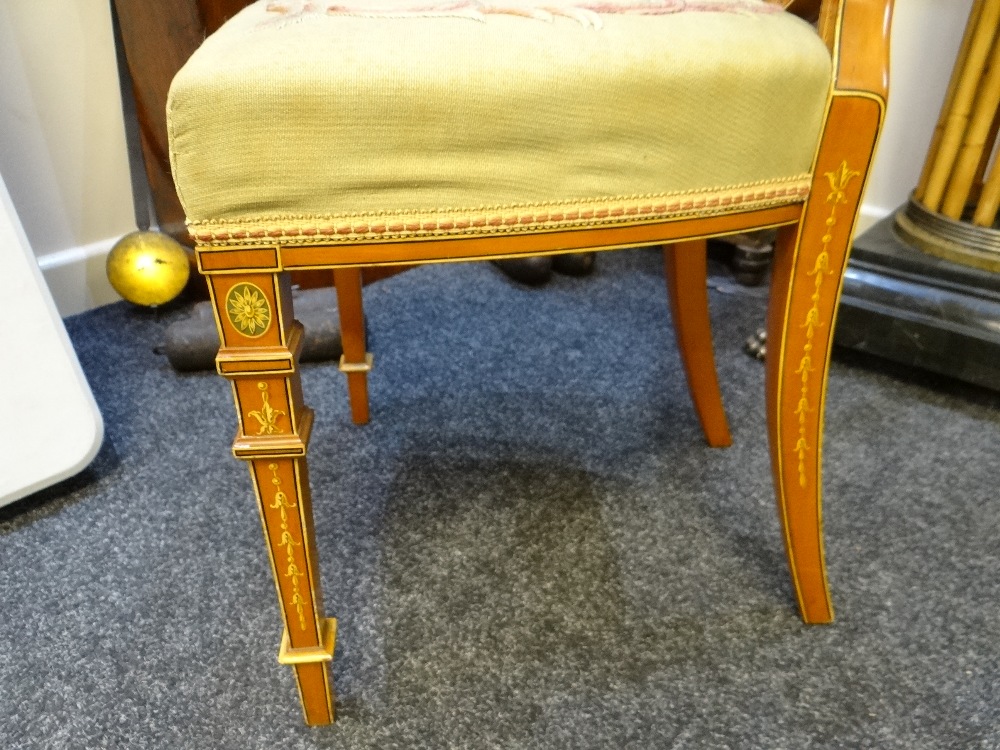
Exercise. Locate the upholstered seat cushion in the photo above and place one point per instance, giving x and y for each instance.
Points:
(322, 121)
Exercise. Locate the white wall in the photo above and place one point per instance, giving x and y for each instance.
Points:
(59, 427)
(62, 142)
(63, 156)
(925, 38)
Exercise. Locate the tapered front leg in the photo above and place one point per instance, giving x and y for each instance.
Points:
(809, 264)
(686, 270)
(259, 355)
(282, 487)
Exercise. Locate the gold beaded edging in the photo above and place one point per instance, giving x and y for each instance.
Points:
(529, 217)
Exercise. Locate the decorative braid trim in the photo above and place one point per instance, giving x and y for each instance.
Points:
(529, 217)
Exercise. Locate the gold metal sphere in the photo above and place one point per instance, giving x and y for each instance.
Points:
(148, 268)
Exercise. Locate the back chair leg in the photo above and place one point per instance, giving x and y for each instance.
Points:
(356, 362)
(685, 266)
(796, 375)
(809, 262)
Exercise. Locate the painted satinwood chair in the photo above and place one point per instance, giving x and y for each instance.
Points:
(339, 135)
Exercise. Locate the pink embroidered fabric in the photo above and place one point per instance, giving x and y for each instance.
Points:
(586, 13)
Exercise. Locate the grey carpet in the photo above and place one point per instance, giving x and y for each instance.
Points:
(529, 546)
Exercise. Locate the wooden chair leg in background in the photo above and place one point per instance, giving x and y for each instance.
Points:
(685, 266)
(356, 362)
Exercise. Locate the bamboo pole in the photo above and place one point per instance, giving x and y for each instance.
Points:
(949, 98)
(989, 200)
(973, 145)
(958, 114)
(984, 161)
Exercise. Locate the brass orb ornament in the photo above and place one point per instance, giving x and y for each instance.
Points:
(148, 268)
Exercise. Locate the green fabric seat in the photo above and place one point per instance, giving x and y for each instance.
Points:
(323, 122)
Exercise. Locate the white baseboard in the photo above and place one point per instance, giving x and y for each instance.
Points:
(77, 279)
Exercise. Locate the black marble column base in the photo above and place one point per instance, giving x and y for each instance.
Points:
(910, 307)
